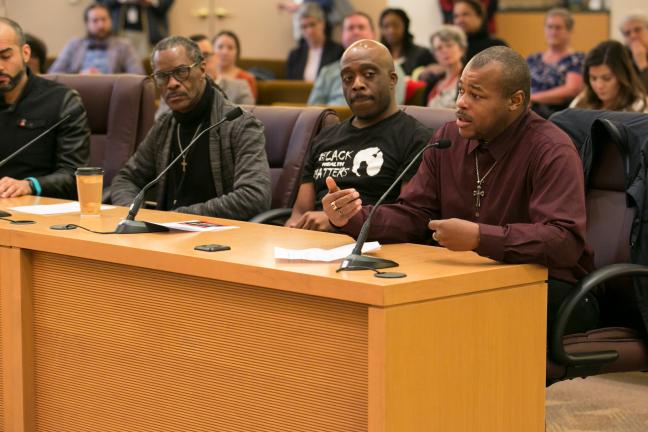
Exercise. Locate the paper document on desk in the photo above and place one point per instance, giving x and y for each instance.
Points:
(196, 226)
(50, 209)
(326, 255)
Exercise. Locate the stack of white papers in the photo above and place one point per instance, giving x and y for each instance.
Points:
(326, 255)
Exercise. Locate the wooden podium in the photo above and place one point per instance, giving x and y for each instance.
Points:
(142, 333)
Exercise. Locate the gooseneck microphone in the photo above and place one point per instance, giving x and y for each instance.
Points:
(130, 225)
(357, 261)
(77, 110)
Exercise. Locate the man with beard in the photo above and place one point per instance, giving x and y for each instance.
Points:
(368, 151)
(29, 105)
(226, 173)
(510, 187)
(98, 52)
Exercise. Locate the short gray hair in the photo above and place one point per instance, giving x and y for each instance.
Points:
(20, 35)
(564, 14)
(191, 48)
(634, 17)
(515, 71)
(450, 33)
(310, 10)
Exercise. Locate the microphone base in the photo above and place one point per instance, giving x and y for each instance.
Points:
(4, 213)
(365, 262)
(138, 227)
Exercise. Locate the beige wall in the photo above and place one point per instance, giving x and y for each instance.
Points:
(264, 31)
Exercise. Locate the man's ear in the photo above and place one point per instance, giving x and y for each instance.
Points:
(26, 53)
(393, 78)
(516, 100)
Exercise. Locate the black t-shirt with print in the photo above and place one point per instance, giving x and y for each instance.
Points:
(367, 159)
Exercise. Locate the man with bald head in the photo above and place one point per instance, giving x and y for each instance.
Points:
(327, 89)
(28, 106)
(368, 151)
(509, 188)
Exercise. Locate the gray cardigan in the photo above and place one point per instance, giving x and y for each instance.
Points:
(121, 57)
(238, 162)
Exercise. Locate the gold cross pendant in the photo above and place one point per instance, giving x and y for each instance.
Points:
(184, 165)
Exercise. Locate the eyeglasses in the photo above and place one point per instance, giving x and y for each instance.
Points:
(181, 73)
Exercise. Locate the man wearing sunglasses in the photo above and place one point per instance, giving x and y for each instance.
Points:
(226, 173)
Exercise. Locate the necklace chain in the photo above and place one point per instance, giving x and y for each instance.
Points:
(184, 157)
(478, 193)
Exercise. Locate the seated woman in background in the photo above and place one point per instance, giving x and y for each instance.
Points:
(227, 49)
(556, 74)
(449, 46)
(315, 50)
(395, 35)
(611, 82)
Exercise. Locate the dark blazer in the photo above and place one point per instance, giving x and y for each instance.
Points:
(416, 56)
(156, 16)
(588, 129)
(478, 42)
(297, 58)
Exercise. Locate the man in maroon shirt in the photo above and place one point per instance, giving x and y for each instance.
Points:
(510, 187)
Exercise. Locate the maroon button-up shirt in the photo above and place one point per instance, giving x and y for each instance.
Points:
(532, 210)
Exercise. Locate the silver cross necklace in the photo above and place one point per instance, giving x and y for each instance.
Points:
(478, 193)
(184, 157)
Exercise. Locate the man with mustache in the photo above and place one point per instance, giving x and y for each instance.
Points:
(509, 188)
(28, 106)
(99, 52)
(226, 173)
(368, 151)
(327, 89)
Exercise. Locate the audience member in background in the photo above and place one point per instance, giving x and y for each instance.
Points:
(395, 35)
(98, 52)
(327, 89)
(28, 105)
(237, 90)
(489, 5)
(611, 82)
(334, 12)
(143, 22)
(449, 46)
(556, 74)
(366, 152)
(469, 15)
(226, 173)
(38, 59)
(509, 188)
(635, 33)
(227, 52)
(315, 50)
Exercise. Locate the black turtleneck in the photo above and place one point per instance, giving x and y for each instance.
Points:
(478, 42)
(196, 184)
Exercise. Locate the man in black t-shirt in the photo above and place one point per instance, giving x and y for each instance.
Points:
(366, 152)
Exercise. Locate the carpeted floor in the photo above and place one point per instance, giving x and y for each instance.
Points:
(608, 403)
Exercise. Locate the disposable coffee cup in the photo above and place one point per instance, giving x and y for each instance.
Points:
(90, 187)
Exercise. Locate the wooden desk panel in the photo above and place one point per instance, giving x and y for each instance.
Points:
(175, 353)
